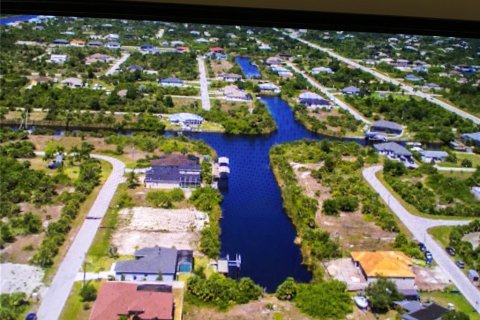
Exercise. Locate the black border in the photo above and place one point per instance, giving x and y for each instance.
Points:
(140, 10)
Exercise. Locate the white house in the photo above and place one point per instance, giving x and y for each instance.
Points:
(58, 58)
(269, 87)
(233, 93)
(318, 70)
(72, 83)
(171, 82)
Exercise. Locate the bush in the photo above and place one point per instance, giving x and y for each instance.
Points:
(287, 290)
(13, 305)
(88, 292)
(164, 198)
(381, 294)
(394, 168)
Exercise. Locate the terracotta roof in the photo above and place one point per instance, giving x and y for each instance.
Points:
(120, 298)
(390, 264)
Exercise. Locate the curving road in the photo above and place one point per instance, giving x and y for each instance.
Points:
(57, 294)
(418, 226)
(407, 88)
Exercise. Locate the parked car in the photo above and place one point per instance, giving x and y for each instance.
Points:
(451, 251)
(31, 316)
(460, 264)
(422, 246)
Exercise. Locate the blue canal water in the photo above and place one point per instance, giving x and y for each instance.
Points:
(250, 70)
(254, 222)
(4, 21)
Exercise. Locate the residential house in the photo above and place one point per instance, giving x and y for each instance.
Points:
(233, 93)
(95, 44)
(60, 42)
(431, 87)
(472, 137)
(264, 47)
(229, 77)
(113, 45)
(476, 192)
(176, 43)
(201, 40)
(419, 311)
(433, 156)
(112, 37)
(217, 50)
(393, 265)
(392, 149)
(269, 87)
(273, 61)
(172, 82)
(154, 264)
(182, 49)
(77, 43)
(195, 33)
(351, 90)
(185, 119)
(413, 78)
(98, 57)
(58, 58)
(40, 80)
(133, 301)
(318, 70)
(72, 82)
(172, 171)
(386, 126)
(134, 68)
(148, 48)
(314, 100)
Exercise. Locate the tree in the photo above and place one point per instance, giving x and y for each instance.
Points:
(132, 180)
(168, 101)
(88, 292)
(394, 168)
(381, 294)
(287, 290)
(466, 163)
(455, 315)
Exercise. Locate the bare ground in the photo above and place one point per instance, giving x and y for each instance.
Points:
(351, 229)
(430, 279)
(220, 66)
(20, 278)
(145, 227)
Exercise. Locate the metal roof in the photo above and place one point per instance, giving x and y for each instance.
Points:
(392, 147)
(387, 125)
(151, 261)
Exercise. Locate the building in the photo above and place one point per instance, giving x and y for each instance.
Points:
(472, 137)
(393, 265)
(182, 49)
(229, 77)
(173, 171)
(201, 40)
(171, 82)
(476, 192)
(77, 43)
(112, 37)
(148, 48)
(186, 119)
(386, 126)
(217, 50)
(392, 149)
(413, 78)
(133, 301)
(72, 82)
(269, 87)
(95, 44)
(318, 70)
(419, 311)
(41, 80)
(60, 42)
(273, 61)
(134, 68)
(98, 57)
(154, 264)
(233, 93)
(313, 100)
(113, 45)
(58, 58)
(435, 156)
(351, 90)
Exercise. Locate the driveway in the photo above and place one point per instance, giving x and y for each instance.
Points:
(407, 88)
(418, 226)
(203, 84)
(55, 297)
(117, 64)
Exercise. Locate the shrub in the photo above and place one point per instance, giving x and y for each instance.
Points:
(88, 292)
(287, 290)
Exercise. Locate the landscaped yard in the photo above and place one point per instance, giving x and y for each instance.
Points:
(474, 158)
(443, 298)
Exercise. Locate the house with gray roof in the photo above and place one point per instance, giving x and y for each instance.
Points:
(392, 149)
(351, 90)
(151, 262)
(386, 126)
(435, 156)
(431, 311)
(472, 137)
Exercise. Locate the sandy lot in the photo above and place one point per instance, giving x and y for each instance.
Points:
(220, 66)
(20, 278)
(429, 279)
(344, 270)
(145, 227)
(473, 238)
(351, 229)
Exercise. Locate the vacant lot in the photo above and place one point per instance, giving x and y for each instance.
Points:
(20, 278)
(220, 66)
(145, 227)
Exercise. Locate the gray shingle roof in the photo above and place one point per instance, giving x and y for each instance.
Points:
(150, 261)
(392, 147)
(387, 125)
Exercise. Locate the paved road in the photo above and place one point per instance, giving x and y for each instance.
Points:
(418, 226)
(203, 84)
(57, 294)
(117, 64)
(455, 169)
(407, 88)
(329, 95)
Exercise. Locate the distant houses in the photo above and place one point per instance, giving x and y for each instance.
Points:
(171, 82)
(72, 82)
(233, 93)
(314, 100)
(386, 127)
(98, 57)
(95, 44)
(413, 78)
(173, 171)
(113, 45)
(319, 70)
(58, 58)
(351, 91)
(148, 49)
(185, 119)
(472, 138)
(269, 88)
(155, 264)
(229, 77)
(60, 42)
(117, 300)
(394, 151)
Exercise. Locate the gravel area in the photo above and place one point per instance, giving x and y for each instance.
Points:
(20, 278)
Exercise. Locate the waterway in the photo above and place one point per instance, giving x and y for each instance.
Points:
(250, 70)
(6, 20)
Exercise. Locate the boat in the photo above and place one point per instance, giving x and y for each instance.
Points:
(361, 302)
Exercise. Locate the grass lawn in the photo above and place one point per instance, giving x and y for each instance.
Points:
(443, 298)
(457, 174)
(410, 208)
(441, 234)
(74, 308)
(475, 158)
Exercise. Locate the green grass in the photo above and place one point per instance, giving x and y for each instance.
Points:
(475, 158)
(441, 234)
(74, 308)
(443, 298)
(410, 208)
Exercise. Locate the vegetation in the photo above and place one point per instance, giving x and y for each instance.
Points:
(220, 291)
(432, 192)
(164, 198)
(464, 249)
(381, 294)
(208, 200)
(287, 290)
(13, 305)
(88, 292)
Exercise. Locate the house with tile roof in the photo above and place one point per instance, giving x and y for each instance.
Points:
(134, 301)
(393, 265)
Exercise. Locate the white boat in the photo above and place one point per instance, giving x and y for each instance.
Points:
(361, 302)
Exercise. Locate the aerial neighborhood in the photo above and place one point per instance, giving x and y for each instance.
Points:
(160, 170)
